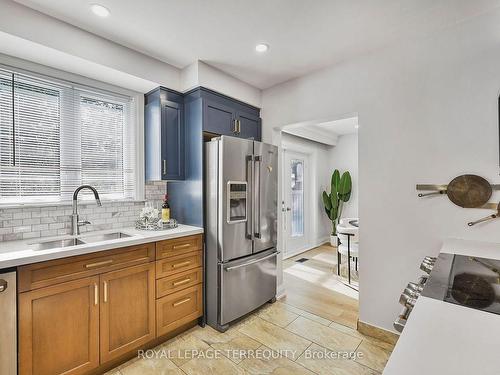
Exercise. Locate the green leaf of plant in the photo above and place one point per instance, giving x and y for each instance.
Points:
(334, 212)
(345, 197)
(335, 180)
(326, 201)
(345, 184)
(334, 199)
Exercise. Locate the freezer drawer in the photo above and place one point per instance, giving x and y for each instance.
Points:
(247, 284)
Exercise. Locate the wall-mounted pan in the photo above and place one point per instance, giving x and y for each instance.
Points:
(490, 217)
(468, 191)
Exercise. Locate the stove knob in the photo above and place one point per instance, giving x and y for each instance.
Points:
(407, 300)
(399, 325)
(405, 313)
(426, 267)
(415, 287)
(412, 293)
(428, 260)
(422, 280)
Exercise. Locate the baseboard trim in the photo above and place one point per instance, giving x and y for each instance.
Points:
(320, 242)
(378, 333)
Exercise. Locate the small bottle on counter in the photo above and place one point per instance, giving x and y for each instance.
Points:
(165, 210)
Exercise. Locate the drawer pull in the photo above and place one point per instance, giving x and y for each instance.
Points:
(181, 302)
(105, 291)
(96, 294)
(99, 264)
(182, 246)
(176, 283)
(182, 264)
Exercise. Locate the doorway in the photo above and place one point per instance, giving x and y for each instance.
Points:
(296, 189)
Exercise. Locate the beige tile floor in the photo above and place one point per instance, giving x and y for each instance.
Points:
(257, 344)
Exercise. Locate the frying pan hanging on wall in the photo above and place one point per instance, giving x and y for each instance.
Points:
(467, 191)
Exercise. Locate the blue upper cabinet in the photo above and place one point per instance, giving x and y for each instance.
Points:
(223, 115)
(248, 126)
(164, 144)
(218, 118)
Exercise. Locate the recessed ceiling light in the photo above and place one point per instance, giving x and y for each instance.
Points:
(100, 10)
(261, 47)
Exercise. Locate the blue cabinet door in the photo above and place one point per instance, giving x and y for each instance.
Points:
(249, 127)
(172, 140)
(218, 118)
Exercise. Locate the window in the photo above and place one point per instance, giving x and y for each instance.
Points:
(55, 136)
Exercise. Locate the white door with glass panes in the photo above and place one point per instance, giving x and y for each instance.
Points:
(294, 205)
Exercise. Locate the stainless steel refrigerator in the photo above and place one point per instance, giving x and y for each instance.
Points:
(241, 194)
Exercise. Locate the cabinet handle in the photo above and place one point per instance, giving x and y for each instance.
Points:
(98, 264)
(239, 126)
(182, 264)
(235, 126)
(181, 302)
(164, 166)
(96, 294)
(176, 283)
(181, 246)
(3, 285)
(105, 284)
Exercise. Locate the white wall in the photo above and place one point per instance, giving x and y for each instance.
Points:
(344, 157)
(427, 112)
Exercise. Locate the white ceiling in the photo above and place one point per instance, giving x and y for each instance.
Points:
(324, 131)
(304, 35)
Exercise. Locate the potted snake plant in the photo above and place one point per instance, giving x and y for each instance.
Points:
(340, 193)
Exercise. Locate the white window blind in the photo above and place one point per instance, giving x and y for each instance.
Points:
(55, 136)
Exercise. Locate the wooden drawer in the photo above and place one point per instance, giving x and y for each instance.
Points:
(176, 246)
(52, 272)
(178, 308)
(179, 263)
(179, 281)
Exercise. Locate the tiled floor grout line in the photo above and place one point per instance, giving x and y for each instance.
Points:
(300, 364)
(333, 321)
(298, 316)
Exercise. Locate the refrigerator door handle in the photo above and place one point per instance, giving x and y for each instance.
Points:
(256, 186)
(251, 262)
(250, 176)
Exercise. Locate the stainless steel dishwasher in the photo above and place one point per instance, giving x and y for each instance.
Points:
(8, 323)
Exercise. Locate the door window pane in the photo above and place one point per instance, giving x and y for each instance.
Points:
(297, 188)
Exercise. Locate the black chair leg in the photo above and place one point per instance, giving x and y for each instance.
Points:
(339, 258)
(349, 259)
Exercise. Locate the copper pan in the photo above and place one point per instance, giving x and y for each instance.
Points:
(468, 191)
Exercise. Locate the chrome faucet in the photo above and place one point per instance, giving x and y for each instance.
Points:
(75, 222)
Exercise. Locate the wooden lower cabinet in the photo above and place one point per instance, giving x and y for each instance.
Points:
(87, 313)
(59, 328)
(178, 308)
(127, 310)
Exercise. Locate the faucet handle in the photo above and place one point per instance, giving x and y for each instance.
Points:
(83, 222)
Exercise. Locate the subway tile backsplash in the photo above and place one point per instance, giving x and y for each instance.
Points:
(33, 222)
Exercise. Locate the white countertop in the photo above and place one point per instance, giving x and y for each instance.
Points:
(16, 253)
(441, 338)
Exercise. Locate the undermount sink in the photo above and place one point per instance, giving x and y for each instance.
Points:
(57, 243)
(104, 237)
(47, 245)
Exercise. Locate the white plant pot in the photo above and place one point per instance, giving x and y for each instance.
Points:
(333, 240)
